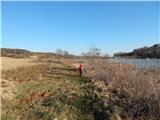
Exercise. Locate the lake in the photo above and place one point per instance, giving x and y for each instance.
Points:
(140, 63)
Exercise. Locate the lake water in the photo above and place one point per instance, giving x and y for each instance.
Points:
(141, 63)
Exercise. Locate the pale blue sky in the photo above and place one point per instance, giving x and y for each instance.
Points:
(75, 26)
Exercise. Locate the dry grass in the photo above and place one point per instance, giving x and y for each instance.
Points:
(13, 63)
(55, 90)
(138, 90)
(7, 89)
(44, 91)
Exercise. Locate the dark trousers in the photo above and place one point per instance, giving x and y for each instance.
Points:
(80, 72)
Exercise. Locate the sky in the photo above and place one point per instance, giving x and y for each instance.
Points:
(76, 26)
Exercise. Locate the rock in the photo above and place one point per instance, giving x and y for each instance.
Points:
(104, 115)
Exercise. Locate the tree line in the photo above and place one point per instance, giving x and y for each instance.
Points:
(144, 52)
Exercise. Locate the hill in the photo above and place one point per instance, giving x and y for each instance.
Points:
(17, 53)
(22, 53)
(144, 52)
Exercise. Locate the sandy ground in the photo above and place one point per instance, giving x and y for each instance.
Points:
(8, 63)
(12, 63)
(75, 65)
(6, 89)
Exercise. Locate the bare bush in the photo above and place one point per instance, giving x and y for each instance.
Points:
(140, 88)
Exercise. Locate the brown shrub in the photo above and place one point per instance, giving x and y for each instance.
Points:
(140, 89)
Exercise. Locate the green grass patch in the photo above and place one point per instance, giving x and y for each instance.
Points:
(59, 94)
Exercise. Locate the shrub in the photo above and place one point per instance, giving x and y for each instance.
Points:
(138, 90)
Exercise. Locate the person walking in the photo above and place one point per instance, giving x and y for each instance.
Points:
(81, 67)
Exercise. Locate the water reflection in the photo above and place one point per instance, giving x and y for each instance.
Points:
(140, 63)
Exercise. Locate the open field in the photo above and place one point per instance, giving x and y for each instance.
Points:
(51, 89)
(44, 91)
(12, 63)
(80, 60)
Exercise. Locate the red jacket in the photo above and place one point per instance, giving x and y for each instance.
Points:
(81, 66)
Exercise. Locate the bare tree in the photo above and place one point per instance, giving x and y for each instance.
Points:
(62, 52)
(106, 55)
(93, 52)
(59, 51)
